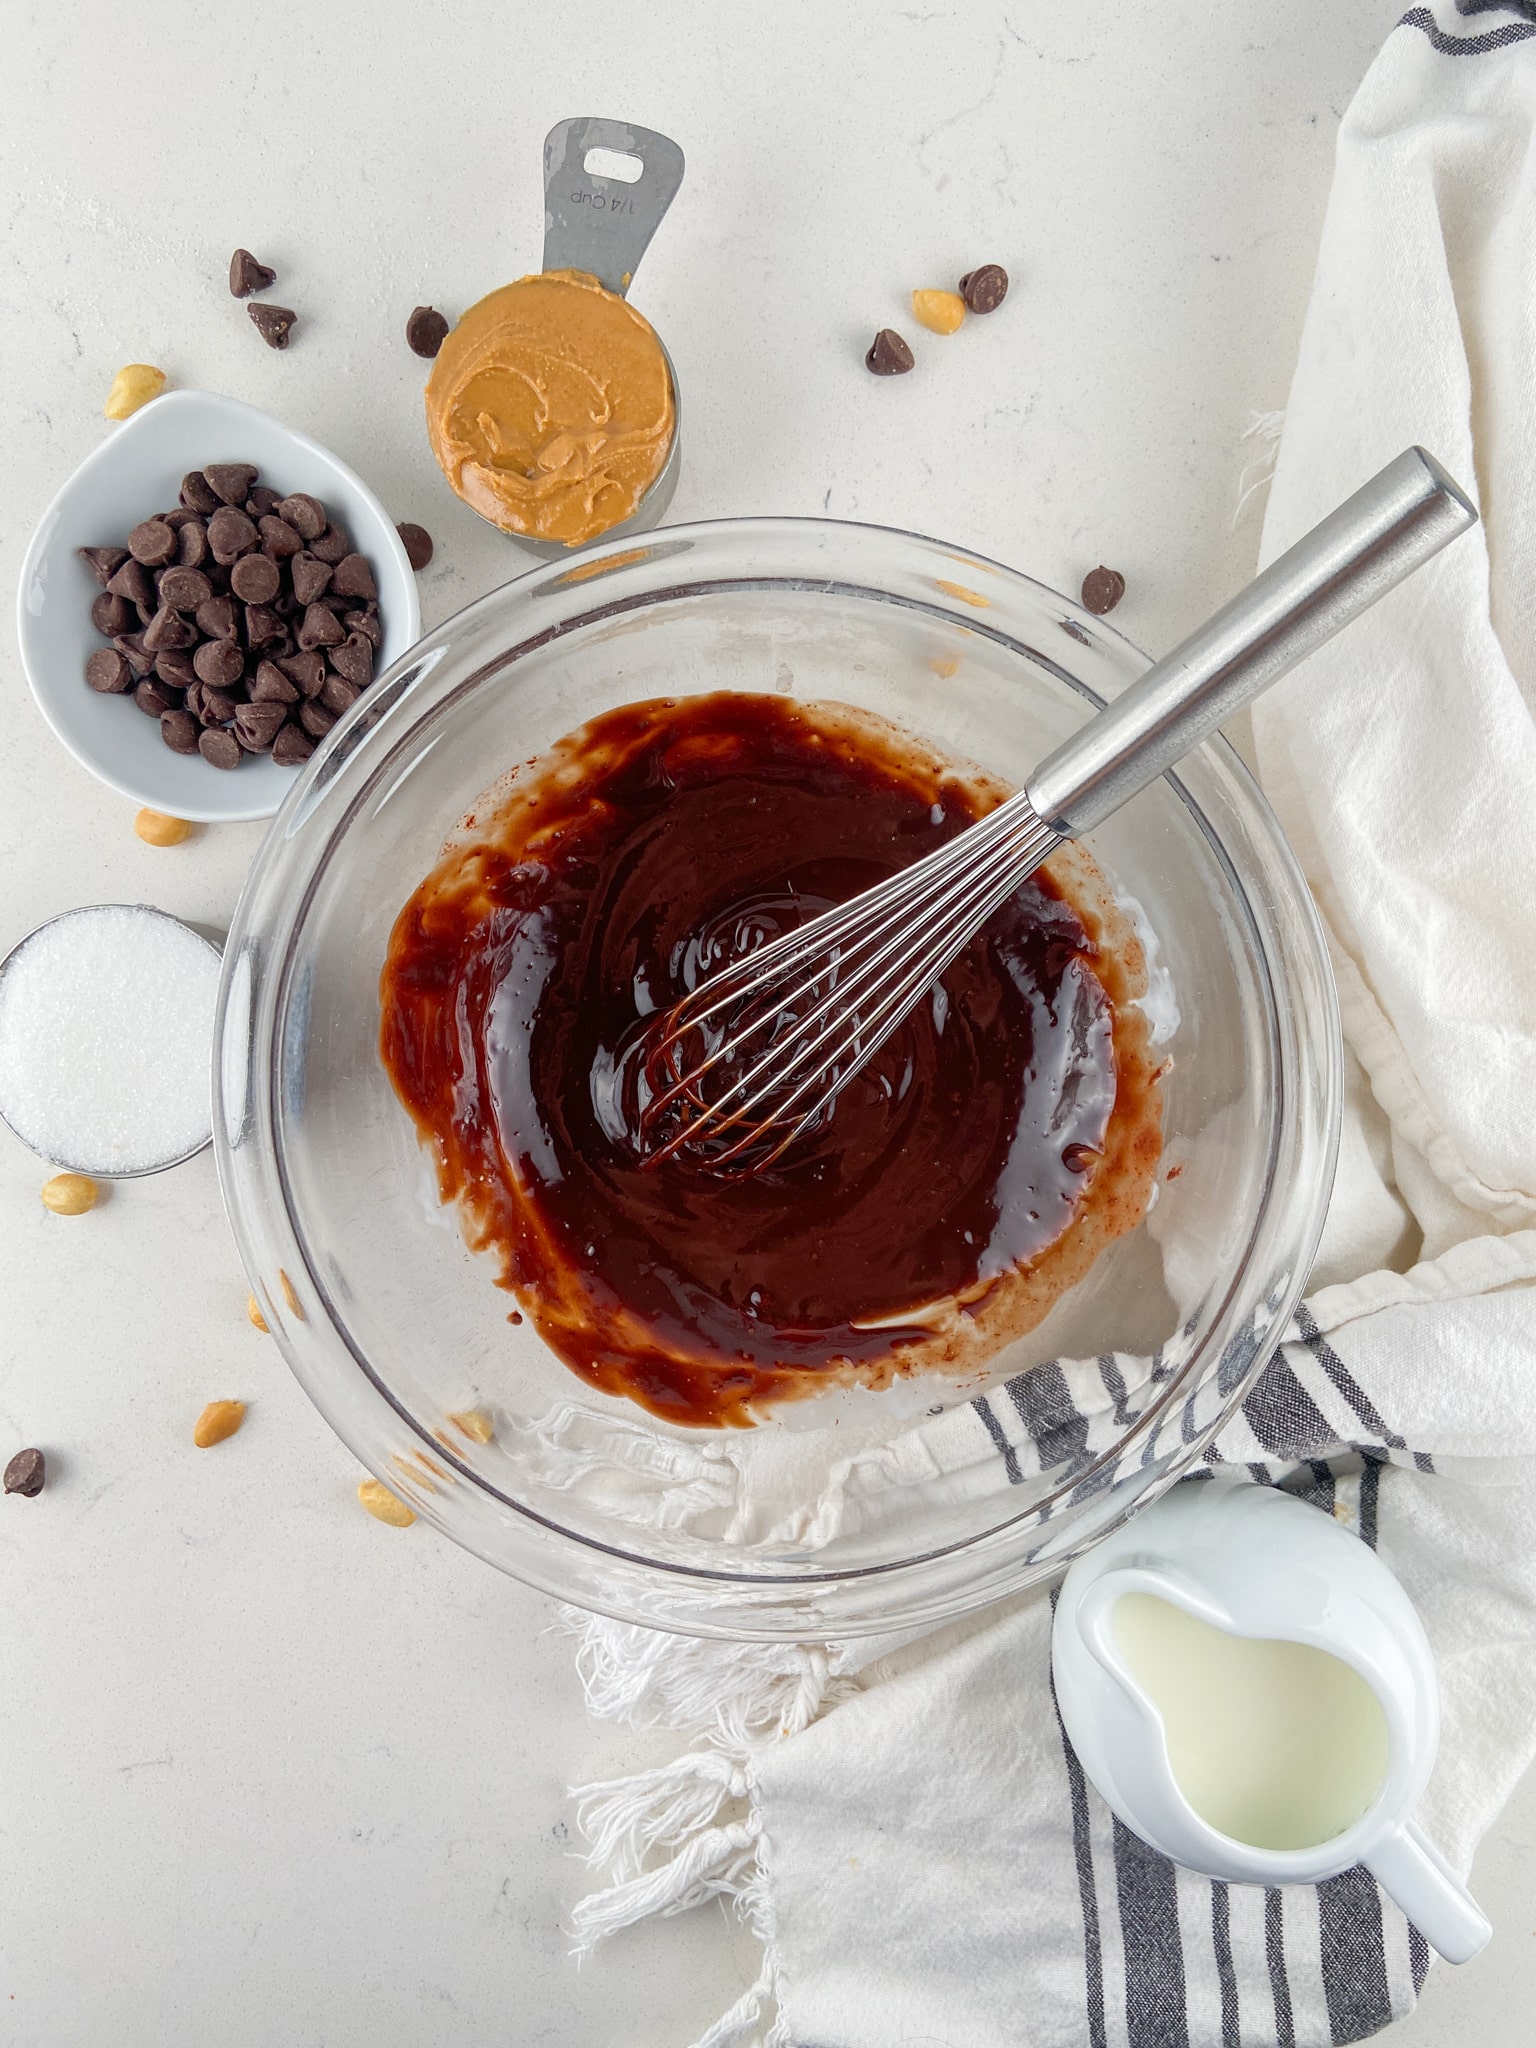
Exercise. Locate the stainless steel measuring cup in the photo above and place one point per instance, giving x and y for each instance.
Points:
(602, 222)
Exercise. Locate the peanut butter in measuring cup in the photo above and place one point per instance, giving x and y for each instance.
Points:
(552, 405)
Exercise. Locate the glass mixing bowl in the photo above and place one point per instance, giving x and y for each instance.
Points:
(838, 1517)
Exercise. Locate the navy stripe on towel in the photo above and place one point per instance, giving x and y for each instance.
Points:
(1147, 1889)
(1354, 1955)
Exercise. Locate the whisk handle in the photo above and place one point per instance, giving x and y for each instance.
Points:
(1389, 528)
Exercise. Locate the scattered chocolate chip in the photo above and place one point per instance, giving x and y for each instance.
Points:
(306, 670)
(27, 1474)
(353, 660)
(192, 544)
(179, 730)
(888, 354)
(278, 538)
(155, 698)
(230, 482)
(270, 686)
(108, 672)
(173, 665)
(218, 618)
(258, 725)
(153, 543)
(426, 331)
(418, 544)
(255, 579)
(315, 719)
(273, 323)
(311, 577)
(984, 290)
(218, 663)
(321, 628)
(1102, 590)
(218, 748)
(111, 615)
(292, 747)
(131, 647)
(246, 275)
(185, 589)
(330, 546)
(198, 495)
(306, 515)
(262, 502)
(230, 534)
(133, 581)
(354, 578)
(103, 563)
(168, 629)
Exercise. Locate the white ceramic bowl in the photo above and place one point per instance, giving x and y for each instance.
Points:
(138, 470)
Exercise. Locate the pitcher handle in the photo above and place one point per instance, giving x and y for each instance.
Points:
(1411, 1871)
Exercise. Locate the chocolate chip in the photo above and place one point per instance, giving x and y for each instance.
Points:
(258, 725)
(134, 582)
(369, 624)
(198, 495)
(321, 627)
(1102, 590)
(216, 707)
(354, 578)
(192, 544)
(984, 290)
(219, 663)
(219, 749)
(339, 694)
(168, 629)
(353, 659)
(311, 577)
(176, 518)
(255, 579)
(292, 747)
(306, 515)
(174, 666)
(426, 331)
(153, 543)
(26, 1474)
(230, 534)
(262, 625)
(230, 482)
(111, 615)
(278, 538)
(330, 546)
(218, 618)
(103, 563)
(888, 354)
(246, 275)
(316, 720)
(306, 670)
(418, 544)
(108, 672)
(263, 501)
(179, 730)
(155, 698)
(271, 686)
(186, 589)
(273, 323)
(131, 647)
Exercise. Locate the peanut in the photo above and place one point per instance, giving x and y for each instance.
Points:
(155, 828)
(939, 312)
(383, 1505)
(134, 385)
(70, 1194)
(475, 1424)
(254, 1315)
(217, 1421)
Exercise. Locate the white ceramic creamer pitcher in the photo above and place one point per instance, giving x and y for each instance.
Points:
(1210, 1655)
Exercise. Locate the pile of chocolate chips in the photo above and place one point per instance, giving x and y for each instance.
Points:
(243, 621)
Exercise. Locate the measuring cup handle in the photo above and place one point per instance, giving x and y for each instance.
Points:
(1411, 1870)
(598, 224)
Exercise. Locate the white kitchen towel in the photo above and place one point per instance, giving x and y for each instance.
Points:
(905, 1825)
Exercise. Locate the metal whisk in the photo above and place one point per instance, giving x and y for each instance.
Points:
(751, 1059)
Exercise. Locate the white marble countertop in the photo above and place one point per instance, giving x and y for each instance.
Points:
(270, 1773)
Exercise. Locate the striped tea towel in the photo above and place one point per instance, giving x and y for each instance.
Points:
(904, 1822)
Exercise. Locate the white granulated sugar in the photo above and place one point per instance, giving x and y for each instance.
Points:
(106, 1040)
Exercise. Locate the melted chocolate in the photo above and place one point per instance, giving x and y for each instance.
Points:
(526, 971)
